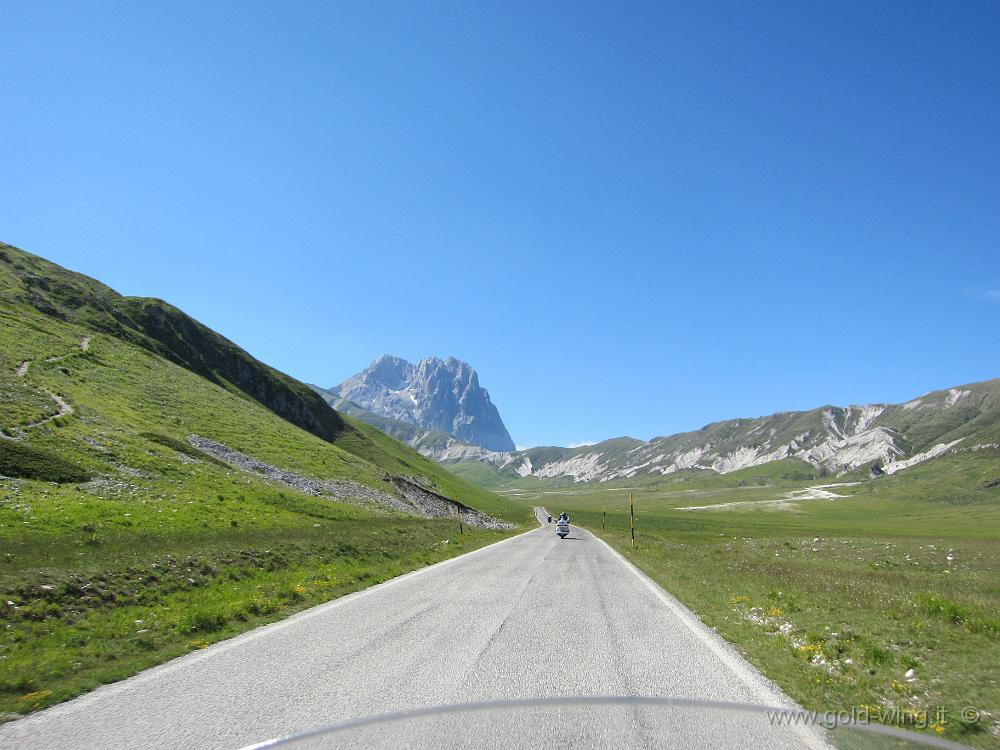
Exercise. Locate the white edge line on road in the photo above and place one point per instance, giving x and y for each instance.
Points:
(221, 647)
(726, 653)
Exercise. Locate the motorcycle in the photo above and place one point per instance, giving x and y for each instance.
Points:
(562, 528)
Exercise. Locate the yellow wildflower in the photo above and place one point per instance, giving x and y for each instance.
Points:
(35, 696)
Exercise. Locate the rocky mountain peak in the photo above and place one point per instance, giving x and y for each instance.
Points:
(387, 370)
(433, 394)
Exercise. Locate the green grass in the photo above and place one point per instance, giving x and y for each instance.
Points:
(23, 404)
(122, 546)
(29, 462)
(836, 599)
(72, 627)
(181, 446)
(480, 474)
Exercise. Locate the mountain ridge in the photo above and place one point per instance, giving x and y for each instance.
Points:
(831, 439)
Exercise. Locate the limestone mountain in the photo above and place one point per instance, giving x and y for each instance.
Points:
(829, 440)
(435, 395)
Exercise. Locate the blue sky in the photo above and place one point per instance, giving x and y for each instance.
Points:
(630, 218)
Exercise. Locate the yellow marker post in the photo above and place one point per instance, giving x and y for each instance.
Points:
(631, 513)
(604, 518)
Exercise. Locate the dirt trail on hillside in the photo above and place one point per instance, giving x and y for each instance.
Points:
(84, 346)
(22, 369)
(65, 408)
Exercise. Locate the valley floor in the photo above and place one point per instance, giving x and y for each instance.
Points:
(882, 598)
(530, 617)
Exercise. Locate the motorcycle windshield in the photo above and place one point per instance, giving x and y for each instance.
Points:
(614, 722)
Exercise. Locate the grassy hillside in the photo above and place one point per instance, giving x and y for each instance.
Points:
(487, 476)
(836, 599)
(368, 442)
(29, 281)
(121, 544)
(972, 410)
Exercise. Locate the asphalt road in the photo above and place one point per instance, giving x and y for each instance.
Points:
(532, 616)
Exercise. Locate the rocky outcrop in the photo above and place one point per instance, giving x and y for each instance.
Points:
(434, 394)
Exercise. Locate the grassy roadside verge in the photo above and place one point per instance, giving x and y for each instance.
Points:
(70, 629)
(837, 601)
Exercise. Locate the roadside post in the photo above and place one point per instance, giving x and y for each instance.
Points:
(631, 516)
(604, 517)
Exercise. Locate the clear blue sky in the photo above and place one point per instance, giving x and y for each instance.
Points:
(630, 218)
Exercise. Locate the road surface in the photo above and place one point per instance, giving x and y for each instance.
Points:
(528, 617)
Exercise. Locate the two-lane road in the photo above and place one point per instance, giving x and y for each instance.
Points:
(531, 616)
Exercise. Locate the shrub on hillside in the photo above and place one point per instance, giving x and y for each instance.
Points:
(28, 462)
